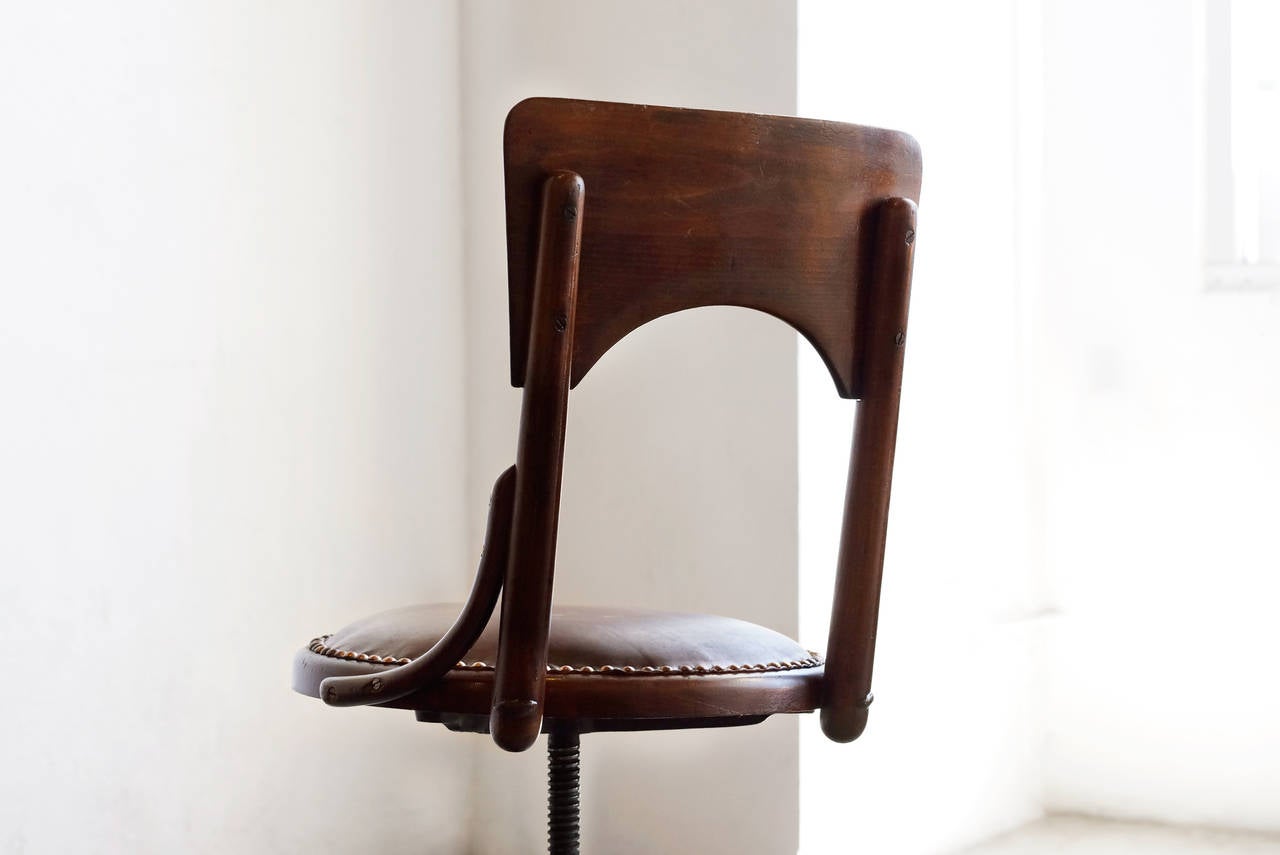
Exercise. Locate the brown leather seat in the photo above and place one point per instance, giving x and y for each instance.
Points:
(607, 648)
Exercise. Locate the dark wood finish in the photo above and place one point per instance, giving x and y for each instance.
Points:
(519, 684)
(856, 602)
(633, 697)
(563, 776)
(480, 723)
(390, 685)
(696, 208)
(812, 222)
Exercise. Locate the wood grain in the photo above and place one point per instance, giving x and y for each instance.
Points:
(697, 208)
(856, 602)
(516, 716)
(619, 214)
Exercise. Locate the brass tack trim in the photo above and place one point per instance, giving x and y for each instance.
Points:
(318, 645)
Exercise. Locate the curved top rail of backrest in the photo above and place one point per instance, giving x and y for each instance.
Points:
(689, 208)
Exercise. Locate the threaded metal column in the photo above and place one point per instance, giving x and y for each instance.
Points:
(562, 788)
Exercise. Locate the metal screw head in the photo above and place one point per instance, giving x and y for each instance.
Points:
(375, 686)
(561, 323)
(569, 212)
(900, 338)
(911, 236)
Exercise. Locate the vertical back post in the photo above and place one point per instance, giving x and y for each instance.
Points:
(516, 715)
(856, 602)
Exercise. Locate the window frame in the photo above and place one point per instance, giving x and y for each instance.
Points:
(1225, 267)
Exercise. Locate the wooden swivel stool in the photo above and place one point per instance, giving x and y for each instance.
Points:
(618, 214)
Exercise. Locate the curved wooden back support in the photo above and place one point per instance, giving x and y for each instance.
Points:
(395, 683)
(696, 208)
(618, 214)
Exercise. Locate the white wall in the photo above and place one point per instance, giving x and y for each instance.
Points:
(680, 483)
(952, 750)
(1162, 466)
(230, 349)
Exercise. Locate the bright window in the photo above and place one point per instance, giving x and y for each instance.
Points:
(1242, 136)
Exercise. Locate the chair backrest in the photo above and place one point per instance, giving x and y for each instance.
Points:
(689, 208)
(618, 214)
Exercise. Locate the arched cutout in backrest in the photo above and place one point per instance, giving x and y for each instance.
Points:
(689, 208)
